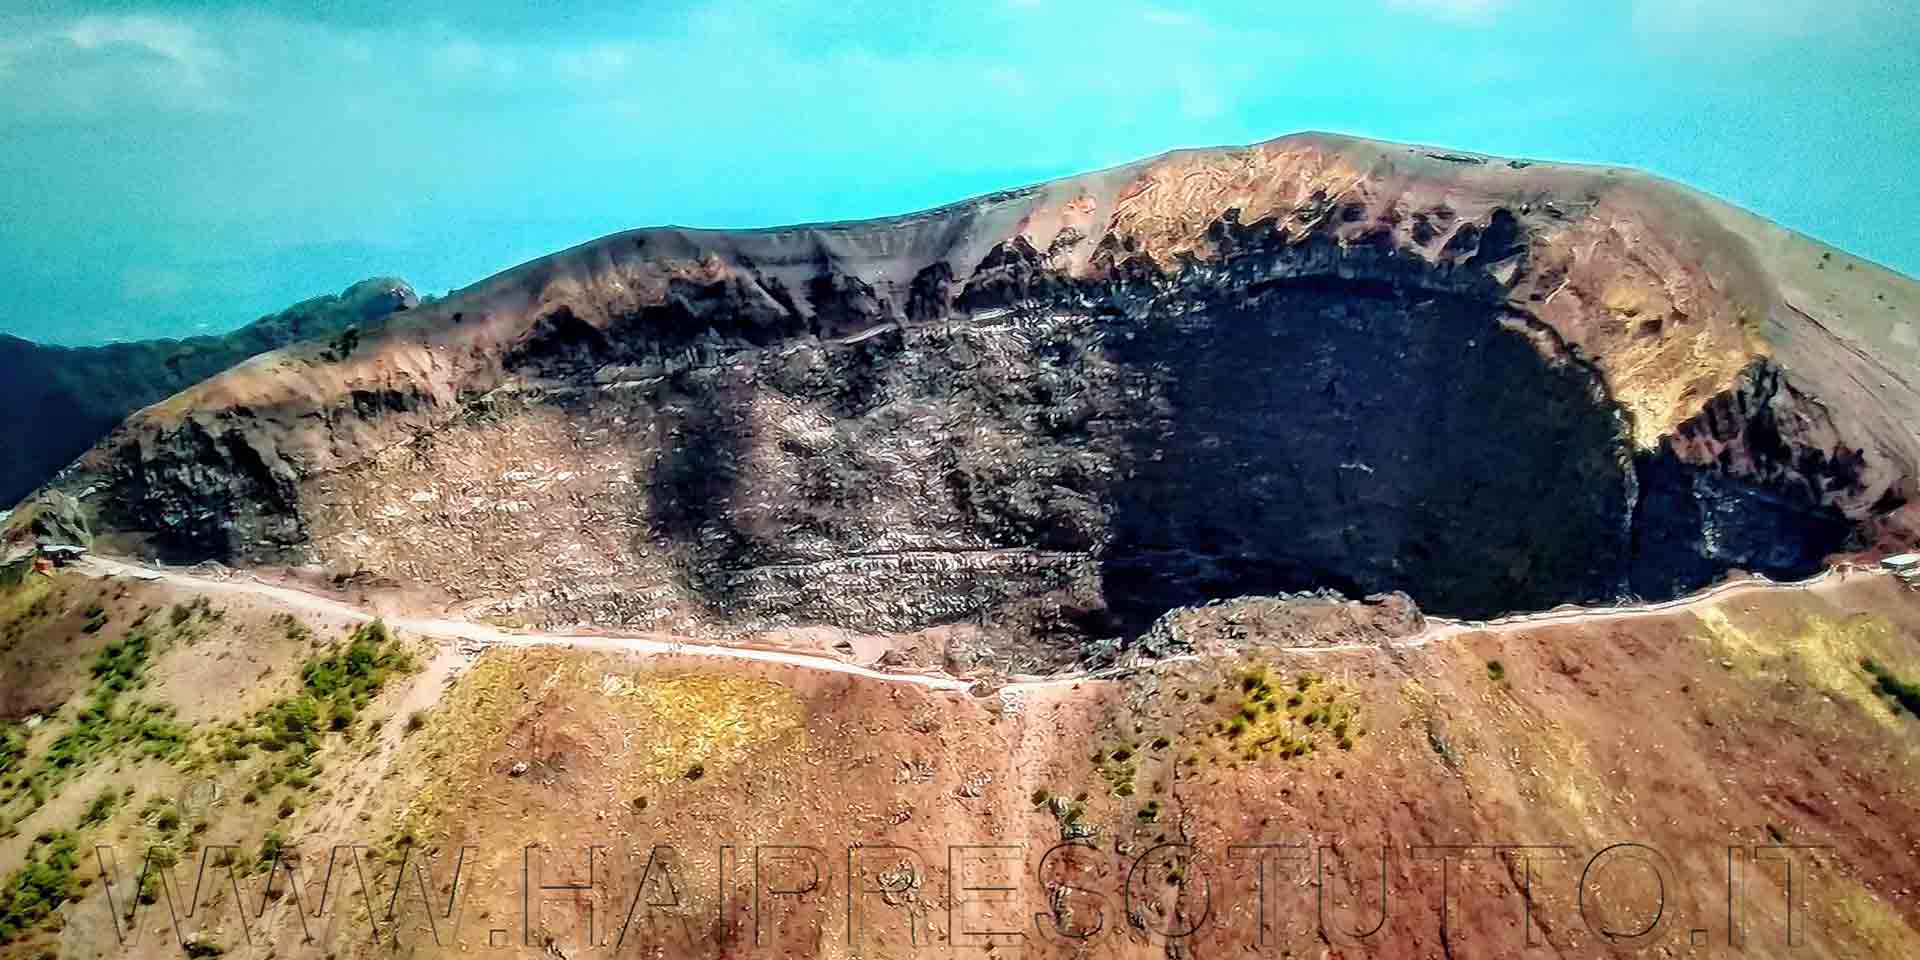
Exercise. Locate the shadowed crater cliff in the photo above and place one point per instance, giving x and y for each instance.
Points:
(1048, 416)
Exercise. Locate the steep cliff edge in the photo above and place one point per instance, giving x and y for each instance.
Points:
(62, 400)
(1053, 413)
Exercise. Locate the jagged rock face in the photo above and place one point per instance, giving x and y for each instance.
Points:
(1691, 524)
(61, 400)
(1057, 414)
(1224, 442)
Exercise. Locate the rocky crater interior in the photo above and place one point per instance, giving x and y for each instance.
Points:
(1051, 461)
(1308, 433)
(1047, 446)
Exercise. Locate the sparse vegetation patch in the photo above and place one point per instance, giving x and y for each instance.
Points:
(107, 722)
(1117, 766)
(703, 722)
(334, 687)
(1286, 718)
(13, 747)
(1886, 683)
(291, 626)
(40, 885)
(1071, 816)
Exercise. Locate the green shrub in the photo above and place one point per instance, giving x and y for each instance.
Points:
(162, 856)
(270, 847)
(1901, 691)
(1072, 818)
(101, 808)
(13, 747)
(334, 687)
(202, 949)
(349, 676)
(40, 885)
(120, 665)
(1496, 671)
(292, 627)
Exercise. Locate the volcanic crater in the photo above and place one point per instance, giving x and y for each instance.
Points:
(1051, 415)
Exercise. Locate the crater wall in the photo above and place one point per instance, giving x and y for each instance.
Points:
(1053, 414)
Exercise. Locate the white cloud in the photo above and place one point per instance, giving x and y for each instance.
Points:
(171, 39)
(99, 63)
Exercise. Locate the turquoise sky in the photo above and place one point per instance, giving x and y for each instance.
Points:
(170, 169)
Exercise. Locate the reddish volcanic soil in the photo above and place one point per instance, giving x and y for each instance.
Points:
(1745, 723)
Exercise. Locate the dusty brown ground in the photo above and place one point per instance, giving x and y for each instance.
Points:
(511, 504)
(1746, 723)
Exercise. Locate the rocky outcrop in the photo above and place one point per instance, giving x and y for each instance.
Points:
(1057, 413)
(62, 400)
(1254, 627)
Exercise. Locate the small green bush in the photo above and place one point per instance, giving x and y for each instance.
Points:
(101, 809)
(13, 747)
(292, 627)
(271, 845)
(346, 678)
(119, 667)
(202, 949)
(40, 885)
(1887, 684)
